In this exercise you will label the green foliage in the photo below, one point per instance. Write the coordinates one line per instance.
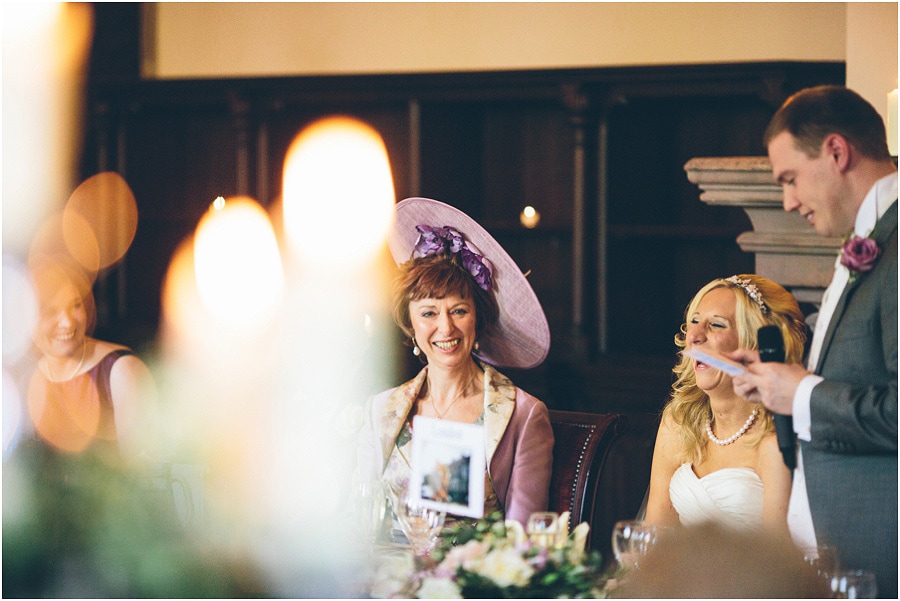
(485, 559)
(77, 526)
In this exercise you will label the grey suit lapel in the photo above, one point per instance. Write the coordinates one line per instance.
(884, 228)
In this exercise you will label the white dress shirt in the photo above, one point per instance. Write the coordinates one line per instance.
(876, 203)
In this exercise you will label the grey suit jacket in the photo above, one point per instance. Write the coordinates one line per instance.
(851, 461)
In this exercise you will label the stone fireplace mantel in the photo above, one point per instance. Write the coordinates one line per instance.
(786, 247)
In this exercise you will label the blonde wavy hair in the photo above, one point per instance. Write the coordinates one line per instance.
(688, 405)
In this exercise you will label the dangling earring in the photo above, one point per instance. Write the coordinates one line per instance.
(416, 350)
(476, 346)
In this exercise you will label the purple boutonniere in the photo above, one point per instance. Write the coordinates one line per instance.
(859, 255)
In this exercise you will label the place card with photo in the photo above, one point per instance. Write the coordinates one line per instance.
(448, 466)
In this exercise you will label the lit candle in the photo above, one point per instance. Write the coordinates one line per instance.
(338, 193)
(337, 205)
(45, 54)
(237, 265)
(892, 122)
(529, 217)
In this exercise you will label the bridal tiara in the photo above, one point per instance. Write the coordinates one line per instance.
(751, 290)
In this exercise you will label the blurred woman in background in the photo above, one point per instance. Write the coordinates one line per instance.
(86, 394)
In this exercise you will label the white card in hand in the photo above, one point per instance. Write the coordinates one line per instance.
(729, 367)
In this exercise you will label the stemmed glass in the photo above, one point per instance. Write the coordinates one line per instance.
(421, 525)
(643, 540)
(853, 584)
(621, 540)
(823, 559)
(369, 510)
(543, 528)
(631, 540)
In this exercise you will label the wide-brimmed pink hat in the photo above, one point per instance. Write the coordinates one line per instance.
(521, 336)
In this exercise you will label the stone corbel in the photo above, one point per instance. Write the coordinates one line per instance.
(786, 248)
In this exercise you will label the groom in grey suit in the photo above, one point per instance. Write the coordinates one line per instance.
(828, 152)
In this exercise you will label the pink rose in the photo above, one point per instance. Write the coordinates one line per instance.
(859, 254)
(463, 556)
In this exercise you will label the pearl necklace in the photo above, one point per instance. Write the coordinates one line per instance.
(734, 436)
(74, 373)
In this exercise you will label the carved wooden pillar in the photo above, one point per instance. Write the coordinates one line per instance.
(109, 138)
(576, 103)
(788, 250)
(240, 115)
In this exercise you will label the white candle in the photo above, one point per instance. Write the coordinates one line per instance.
(338, 192)
(892, 122)
(45, 53)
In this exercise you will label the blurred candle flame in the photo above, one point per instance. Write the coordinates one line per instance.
(19, 310)
(271, 363)
(12, 413)
(529, 217)
(100, 220)
(66, 237)
(237, 265)
(338, 192)
(45, 49)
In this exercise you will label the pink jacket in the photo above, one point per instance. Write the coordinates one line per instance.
(517, 431)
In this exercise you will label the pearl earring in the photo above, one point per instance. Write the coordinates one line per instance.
(416, 350)
(476, 346)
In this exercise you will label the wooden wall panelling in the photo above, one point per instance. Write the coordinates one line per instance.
(176, 162)
(623, 242)
(491, 161)
(662, 245)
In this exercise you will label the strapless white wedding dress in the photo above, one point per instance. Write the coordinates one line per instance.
(731, 497)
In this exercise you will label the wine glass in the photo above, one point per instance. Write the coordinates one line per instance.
(369, 510)
(853, 584)
(643, 538)
(421, 525)
(631, 540)
(823, 558)
(542, 528)
(621, 540)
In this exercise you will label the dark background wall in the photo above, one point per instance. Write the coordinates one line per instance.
(623, 243)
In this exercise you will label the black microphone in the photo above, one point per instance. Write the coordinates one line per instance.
(771, 348)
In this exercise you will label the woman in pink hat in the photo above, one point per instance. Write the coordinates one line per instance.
(466, 309)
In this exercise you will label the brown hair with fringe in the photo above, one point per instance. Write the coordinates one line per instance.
(439, 276)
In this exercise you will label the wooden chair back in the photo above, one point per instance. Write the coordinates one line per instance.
(601, 468)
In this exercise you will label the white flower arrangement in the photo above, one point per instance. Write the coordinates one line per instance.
(493, 558)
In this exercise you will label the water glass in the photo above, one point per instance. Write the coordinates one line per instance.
(421, 525)
(853, 584)
(542, 528)
(823, 558)
(642, 540)
(621, 540)
(631, 540)
(369, 510)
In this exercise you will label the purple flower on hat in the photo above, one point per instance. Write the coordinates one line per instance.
(473, 263)
(430, 242)
(446, 240)
(455, 242)
(859, 255)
